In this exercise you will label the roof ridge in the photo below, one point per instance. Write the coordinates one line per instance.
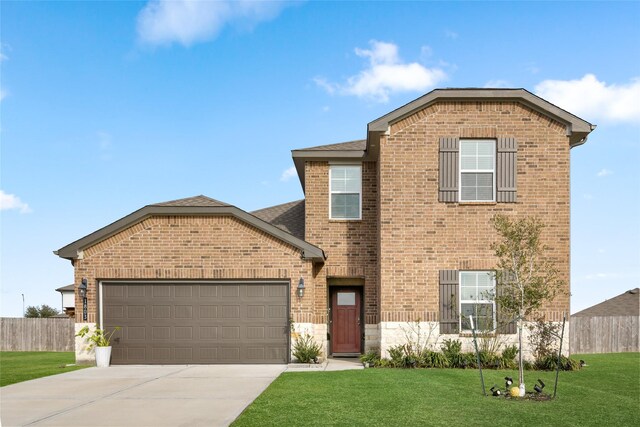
(199, 200)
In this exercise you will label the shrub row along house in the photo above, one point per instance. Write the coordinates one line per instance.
(394, 229)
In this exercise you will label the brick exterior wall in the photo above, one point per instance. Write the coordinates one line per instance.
(405, 237)
(420, 235)
(350, 246)
(192, 248)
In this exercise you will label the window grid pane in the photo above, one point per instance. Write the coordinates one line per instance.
(477, 291)
(477, 169)
(345, 188)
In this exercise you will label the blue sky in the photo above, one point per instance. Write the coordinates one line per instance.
(108, 106)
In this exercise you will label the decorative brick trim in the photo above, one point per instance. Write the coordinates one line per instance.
(408, 316)
(346, 272)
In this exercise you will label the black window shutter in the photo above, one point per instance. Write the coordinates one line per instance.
(449, 321)
(448, 170)
(506, 324)
(506, 172)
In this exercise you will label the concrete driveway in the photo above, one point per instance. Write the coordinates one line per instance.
(196, 395)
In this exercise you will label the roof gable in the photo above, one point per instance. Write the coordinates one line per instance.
(199, 205)
(577, 128)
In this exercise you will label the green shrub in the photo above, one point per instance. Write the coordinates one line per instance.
(433, 359)
(371, 357)
(396, 354)
(306, 350)
(508, 358)
(550, 362)
(452, 350)
(383, 363)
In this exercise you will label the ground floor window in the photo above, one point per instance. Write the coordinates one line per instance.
(477, 299)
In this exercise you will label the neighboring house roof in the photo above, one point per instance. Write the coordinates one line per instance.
(68, 288)
(577, 129)
(287, 216)
(626, 304)
(199, 205)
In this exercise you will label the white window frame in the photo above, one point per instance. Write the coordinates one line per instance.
(331, 192)
(478, 301)
(492, 171)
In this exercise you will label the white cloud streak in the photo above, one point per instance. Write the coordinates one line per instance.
(604, 172)
(163, 22)
(595, 100)
(288, 174)
(13, 202)
(385, 74)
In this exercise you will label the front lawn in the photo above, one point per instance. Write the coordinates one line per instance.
(606, 392)
(18, 366)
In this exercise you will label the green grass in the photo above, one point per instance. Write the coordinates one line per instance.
(18, 366)
(606, 392)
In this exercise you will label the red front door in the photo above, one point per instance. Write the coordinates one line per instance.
(345, 323)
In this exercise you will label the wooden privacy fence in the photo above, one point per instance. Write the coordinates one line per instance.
(42, 334)
(604, 334)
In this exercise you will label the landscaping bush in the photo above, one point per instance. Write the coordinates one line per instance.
(306, 350)
(433, 359)
(508, 358)
(550, 362)
(452, 349)
(371, 357)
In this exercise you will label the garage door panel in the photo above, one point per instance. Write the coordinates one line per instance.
(219, 323)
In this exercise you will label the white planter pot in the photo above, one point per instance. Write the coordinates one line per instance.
(103, 356)
(521, 390)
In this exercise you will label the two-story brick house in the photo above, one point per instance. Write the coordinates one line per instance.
(393, 229)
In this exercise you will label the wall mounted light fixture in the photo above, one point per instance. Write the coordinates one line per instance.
(301, 288)
(82, 289)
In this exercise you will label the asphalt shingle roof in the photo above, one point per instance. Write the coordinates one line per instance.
(359, 144)
(193, 201)
(626, 304)
(288, 217)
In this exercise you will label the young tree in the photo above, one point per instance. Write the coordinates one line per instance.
(43, 311)
(526, 279)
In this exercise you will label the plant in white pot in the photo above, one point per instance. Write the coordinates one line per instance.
(101, 340)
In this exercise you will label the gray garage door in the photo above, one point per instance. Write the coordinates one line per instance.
(188, 323)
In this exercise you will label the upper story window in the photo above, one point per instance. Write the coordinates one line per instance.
(345, 187)
(477, 170)
(477, 299)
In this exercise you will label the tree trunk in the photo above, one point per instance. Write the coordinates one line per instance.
(520, 365)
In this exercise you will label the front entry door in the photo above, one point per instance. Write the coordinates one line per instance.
(345, 324)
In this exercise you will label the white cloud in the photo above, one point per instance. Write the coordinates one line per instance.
(604, 172)
(594, 100)
(3, 94)
(451, 34)
(587, 196)
(163, 22)
(12, 202)
(386, 74)
(288, 174)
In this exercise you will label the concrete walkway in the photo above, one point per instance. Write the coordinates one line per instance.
(197, 395)
(331, 364)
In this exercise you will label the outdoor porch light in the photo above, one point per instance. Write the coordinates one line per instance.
(508, 381)
(82, 289)
(300, 288)
(494, 390)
